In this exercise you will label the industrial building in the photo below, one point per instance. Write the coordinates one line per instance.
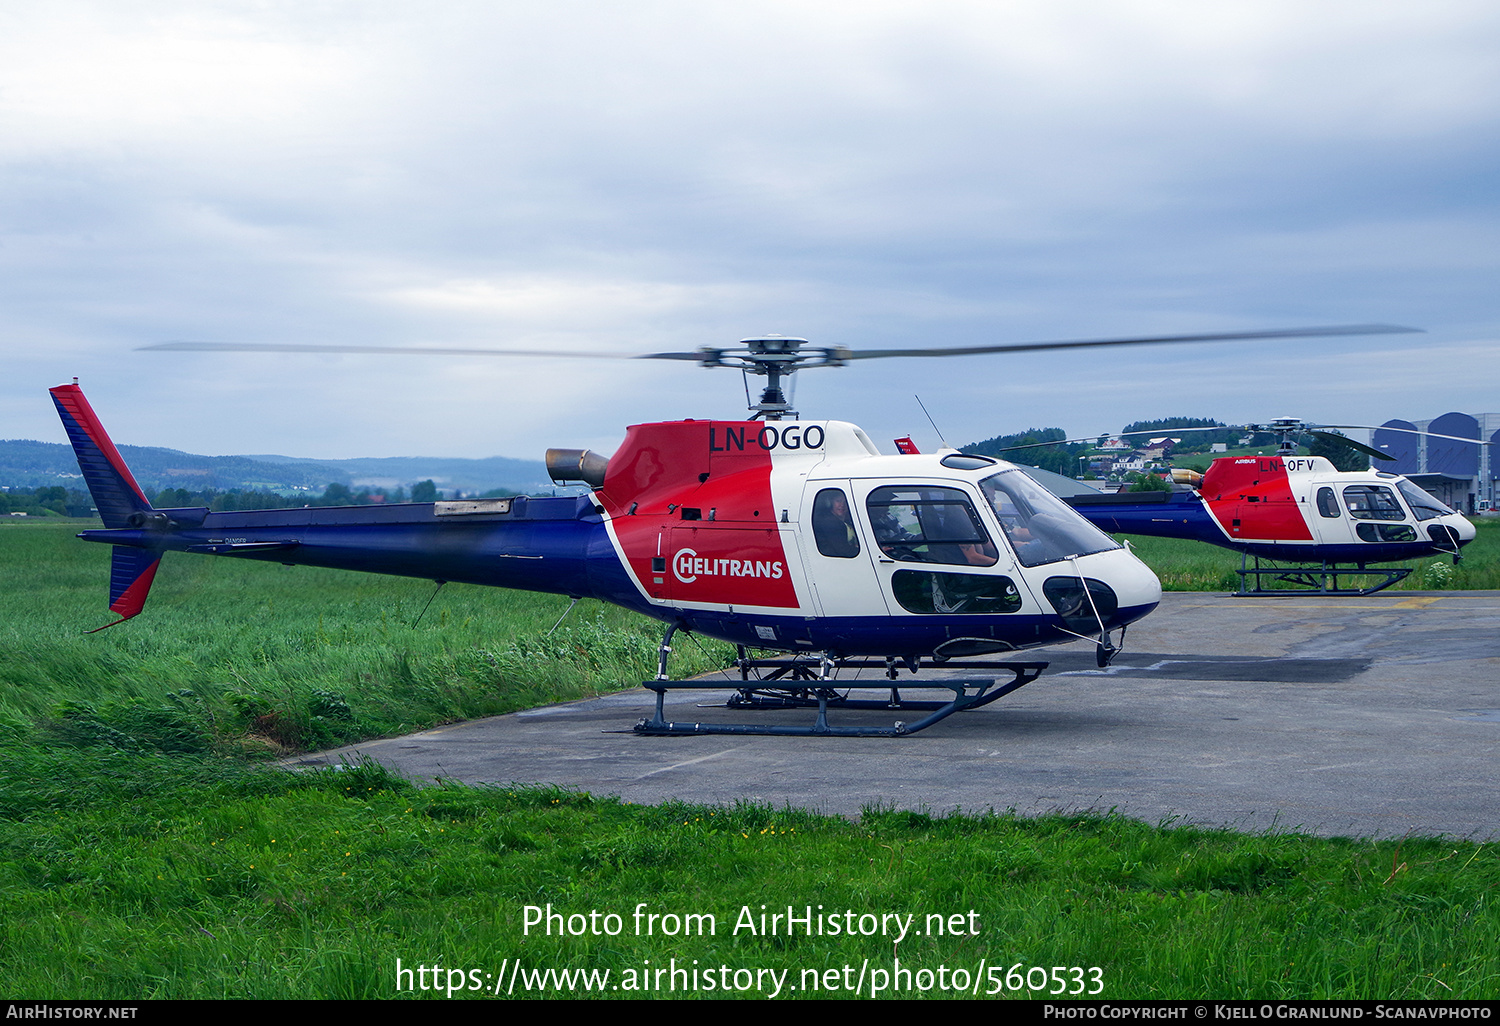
(1460, 473)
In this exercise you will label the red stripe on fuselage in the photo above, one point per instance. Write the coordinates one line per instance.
(691, 508)
(1251, 498)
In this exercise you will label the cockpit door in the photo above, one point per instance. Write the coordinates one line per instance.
(1377, 514)
(934, 554)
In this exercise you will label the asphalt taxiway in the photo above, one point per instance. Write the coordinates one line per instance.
(1366, 716)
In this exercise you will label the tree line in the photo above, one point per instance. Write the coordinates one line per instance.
(1058, 458)
(336, 494)
(56, 500)
(1064, 458)
(48, 500)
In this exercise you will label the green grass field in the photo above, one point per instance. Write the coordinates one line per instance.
(234, 654)
(148, 849)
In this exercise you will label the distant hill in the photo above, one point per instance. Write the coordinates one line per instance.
(393, 471)
(29, 464)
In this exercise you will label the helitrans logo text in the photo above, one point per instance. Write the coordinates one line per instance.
(688, 566)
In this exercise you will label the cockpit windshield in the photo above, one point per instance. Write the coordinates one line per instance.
(1040, 526)
(1423, 506)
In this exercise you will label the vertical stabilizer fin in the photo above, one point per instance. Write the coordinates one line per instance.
(131, 572)
(110, 482)
(118, 497)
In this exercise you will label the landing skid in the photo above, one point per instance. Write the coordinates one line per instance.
(798, 682)
(1308, 579)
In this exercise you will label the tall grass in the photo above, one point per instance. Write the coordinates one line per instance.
(128, 876)
(272, 658)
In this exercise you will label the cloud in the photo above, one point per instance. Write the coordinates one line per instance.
(663, 176)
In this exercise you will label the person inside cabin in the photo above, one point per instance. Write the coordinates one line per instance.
(980, 553)
(833, 525)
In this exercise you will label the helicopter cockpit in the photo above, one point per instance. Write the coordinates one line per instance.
(1040, 527)
(1424, 505)
(1376, 511)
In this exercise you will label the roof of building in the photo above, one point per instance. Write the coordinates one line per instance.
(1057, 484)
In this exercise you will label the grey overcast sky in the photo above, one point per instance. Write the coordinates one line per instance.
(665, 175)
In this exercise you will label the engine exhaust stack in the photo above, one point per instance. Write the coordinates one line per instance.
(565, 465)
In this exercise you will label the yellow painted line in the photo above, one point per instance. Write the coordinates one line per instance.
(1304, 605)
(1411, 603)
(1407, 603)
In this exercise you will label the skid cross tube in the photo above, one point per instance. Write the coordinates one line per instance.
(968, 693)
(1315, 580)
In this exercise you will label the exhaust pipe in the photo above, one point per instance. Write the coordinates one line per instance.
(565, 465)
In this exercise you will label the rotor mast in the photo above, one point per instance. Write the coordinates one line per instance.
(773, 357)
(1287, 428)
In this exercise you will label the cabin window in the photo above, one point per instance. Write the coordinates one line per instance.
(833, 525)
(1372, 502)
(928, 524)
(1385, 532)
(1328, 504)
(927, 591)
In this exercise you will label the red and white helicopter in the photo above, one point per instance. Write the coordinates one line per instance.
(1312, 524)
(773, 533)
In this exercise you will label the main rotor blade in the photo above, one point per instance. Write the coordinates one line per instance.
(297, 347)
(1349, 443)
(1227, 336)
(1408, 431)
(710, 353)
(1261, 429)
